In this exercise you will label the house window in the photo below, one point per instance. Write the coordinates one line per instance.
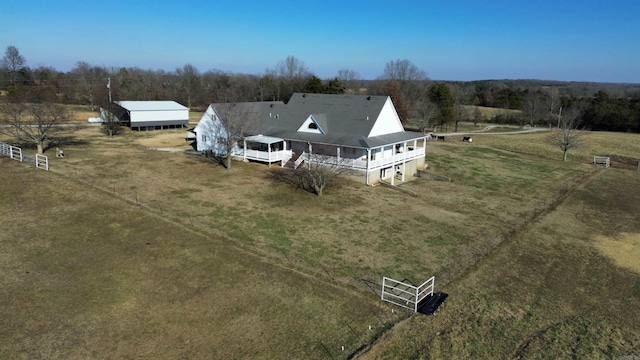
(313, 126)
(204, 138)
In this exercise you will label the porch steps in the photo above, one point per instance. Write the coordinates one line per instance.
(291, 163)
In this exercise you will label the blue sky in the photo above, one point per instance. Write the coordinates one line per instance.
(574, 40)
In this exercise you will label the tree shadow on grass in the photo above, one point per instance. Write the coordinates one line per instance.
(283, 176)
(63, 141)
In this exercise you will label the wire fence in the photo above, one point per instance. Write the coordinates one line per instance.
(467, 259)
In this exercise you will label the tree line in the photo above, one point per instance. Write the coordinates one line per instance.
(421, 103)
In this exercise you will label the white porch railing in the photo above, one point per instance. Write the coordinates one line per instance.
(397, 158)
(360, 164)
(264, 156)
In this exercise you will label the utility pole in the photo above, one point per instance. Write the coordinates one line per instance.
(559, 115)
(109, 87)
(109, 107)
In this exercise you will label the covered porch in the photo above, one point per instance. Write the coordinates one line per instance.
(390, 162)
(265, 149)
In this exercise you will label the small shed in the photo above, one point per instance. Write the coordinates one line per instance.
(152, 115)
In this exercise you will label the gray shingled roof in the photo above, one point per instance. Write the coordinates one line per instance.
(345, 119)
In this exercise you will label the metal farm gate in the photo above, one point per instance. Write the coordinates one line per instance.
(406, 295)
(14, 152)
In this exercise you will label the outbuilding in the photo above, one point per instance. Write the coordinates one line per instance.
(151, 115)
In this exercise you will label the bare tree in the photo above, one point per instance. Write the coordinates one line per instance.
(426, 112)
(45, 81)
(86, 80)
(533, 107)
(350, 79)
(291, 75)
(411, 80)
(41, 125)
(460, 113)
(13, 62)
(217, 84)
(136, 83)
(291, 68)
(477, 116)
(319, 173)
(189, 81)
(569, 135)
(402, 71)
(553, 99)
(229, 124)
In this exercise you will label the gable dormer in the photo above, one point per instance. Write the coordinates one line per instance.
(311, 125)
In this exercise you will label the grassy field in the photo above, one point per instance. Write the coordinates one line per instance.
(146, 253)
(565, 286)
(85, 274)
(488, 113)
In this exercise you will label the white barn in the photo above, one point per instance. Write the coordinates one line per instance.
(152, 115)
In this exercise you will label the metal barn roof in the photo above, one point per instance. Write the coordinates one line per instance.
(151, 105)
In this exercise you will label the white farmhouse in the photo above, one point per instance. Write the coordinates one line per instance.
(359, 132)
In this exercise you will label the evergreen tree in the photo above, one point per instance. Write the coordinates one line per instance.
(440, 94)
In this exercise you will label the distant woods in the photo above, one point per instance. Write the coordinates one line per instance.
(602, 106)
(421, 103)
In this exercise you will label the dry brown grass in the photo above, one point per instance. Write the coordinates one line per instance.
(548, 292)
(195, 116)
(489, 113)
(87, 275)
(624, 249)
(209, 229)
(596, 144)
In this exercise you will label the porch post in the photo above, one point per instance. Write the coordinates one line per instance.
(368, 165)
(244, 149)
(393, 172)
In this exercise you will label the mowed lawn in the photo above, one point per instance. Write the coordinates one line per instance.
(199, 261)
